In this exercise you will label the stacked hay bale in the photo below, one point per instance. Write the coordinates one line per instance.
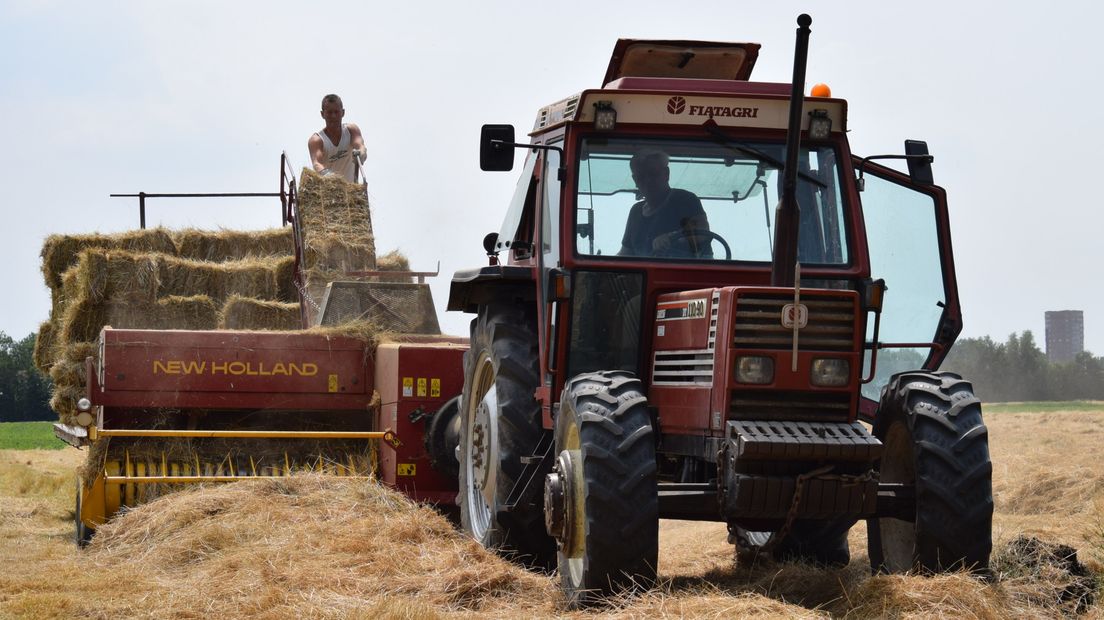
(248, 313)
(139, 280)
(336, 227)
(224, 245)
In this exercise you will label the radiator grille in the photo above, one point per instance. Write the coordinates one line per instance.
(759, 322)
(683, 368)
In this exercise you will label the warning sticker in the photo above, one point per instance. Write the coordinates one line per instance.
(333, 383)
(421, 386)
(405, 469)
(435, 388)
(408, 386)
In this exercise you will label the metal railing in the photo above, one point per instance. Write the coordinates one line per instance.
(286, 194)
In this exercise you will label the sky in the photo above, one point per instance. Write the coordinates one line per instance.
(169, 96)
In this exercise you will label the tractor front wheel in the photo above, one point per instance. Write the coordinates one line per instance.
(936, 443)
(601, 501)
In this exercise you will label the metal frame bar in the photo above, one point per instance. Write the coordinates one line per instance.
(286, 194)
(121, 480)
(385, 435)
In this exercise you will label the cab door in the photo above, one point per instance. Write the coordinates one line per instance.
(909, 243)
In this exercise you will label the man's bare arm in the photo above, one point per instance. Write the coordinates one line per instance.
(356, 138)
(314, 147)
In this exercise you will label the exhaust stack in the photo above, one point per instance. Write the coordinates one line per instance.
(786, 214)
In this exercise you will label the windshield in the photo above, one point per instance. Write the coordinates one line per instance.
(702, 200)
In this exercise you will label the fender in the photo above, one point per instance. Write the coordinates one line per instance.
(474, 287)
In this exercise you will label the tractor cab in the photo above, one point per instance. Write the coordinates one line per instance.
(715, 145)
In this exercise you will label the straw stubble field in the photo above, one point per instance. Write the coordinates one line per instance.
(326, 548)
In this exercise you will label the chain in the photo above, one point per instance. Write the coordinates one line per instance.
(821, 473)
(780, 535)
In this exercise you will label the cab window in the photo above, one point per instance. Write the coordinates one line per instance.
(700, 200)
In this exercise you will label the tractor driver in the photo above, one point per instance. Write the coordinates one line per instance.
(663, 223)
(333, 148)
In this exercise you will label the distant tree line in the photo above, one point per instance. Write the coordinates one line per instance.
(24, 391)
(1017, 370)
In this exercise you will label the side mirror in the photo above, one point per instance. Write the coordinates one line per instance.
(919, 162)
(496, 148)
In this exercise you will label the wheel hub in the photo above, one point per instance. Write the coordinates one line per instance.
(481, 458)
(480, 455)
(559, 491)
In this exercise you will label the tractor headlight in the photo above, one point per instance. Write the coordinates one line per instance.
(830, 372)
(84, 404)
(754, 369)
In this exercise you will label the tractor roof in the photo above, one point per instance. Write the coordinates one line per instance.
(685, 82)
(681, 59)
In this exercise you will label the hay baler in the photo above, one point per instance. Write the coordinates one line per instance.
(166, 408)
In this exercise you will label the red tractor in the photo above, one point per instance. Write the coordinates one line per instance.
(656, 339)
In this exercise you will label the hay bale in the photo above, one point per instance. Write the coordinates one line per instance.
(178, 312)
(45, 342)
(328, 251)
(336, 223)
(99, 276)
(249, 277)
(286, 289)
(79, 351)
(60, 252)
(255, 314)
(68, 290)
(224, 245)
(84, 319)
(68, 373)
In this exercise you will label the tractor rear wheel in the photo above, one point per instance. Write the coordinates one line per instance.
(500, 423)
(935, 441)
(601, 498)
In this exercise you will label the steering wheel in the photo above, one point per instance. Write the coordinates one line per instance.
(683, 236)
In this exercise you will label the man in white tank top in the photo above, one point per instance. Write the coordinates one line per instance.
(333, 148)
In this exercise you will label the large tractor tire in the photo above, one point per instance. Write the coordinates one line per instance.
(500, 423)
(934, 440)
(601, 499)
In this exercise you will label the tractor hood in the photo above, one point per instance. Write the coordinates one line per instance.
(681, 59)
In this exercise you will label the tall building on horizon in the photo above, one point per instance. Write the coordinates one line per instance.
(1065, 334)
